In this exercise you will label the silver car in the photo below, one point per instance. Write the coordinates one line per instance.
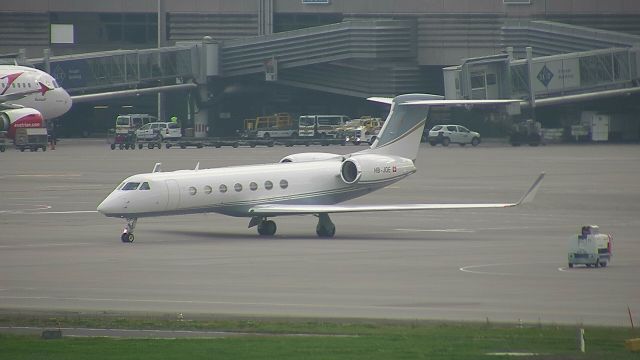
(457, 134)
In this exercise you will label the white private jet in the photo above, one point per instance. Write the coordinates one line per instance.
(28, 97)
(305, 183)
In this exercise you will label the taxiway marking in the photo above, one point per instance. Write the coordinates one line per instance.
(40, 246)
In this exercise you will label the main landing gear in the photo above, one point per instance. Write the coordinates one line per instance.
(127, 233)
(325, 227)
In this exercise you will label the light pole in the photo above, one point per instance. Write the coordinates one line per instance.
(161, 43)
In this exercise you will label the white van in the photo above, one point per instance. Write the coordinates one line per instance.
(159, 131)
(320, 126)
(590, 248)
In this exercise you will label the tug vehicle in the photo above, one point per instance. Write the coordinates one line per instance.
(590, 247)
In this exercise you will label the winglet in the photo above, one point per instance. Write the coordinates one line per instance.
(531, 193)
(156, 168)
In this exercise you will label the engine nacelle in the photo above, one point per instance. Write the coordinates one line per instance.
(13, 119)
(311, 156)
(371, 168)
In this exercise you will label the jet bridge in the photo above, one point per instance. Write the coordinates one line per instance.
(382, 51)
(355, 58)
(546, 80)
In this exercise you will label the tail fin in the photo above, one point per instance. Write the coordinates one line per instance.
(403, 128)
(402, 131)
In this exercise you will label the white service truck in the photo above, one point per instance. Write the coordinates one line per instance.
(590, 248)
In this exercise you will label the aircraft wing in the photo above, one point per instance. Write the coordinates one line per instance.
(286, 209)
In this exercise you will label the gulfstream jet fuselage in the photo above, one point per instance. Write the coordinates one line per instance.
(305, 183)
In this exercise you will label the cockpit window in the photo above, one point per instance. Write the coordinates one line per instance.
(145, 186)
(130, 186)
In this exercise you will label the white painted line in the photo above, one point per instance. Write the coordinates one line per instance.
(34, 207)
(438, 230)
(512, 354)
(41, 175)
(64, 212)
(41, 245)
(467, 230)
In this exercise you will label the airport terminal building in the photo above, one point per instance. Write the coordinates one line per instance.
(562, 58)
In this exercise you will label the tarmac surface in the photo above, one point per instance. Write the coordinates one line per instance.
(58, 254)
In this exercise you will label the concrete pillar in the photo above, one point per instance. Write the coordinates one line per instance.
(46, 58)
(532, 94)
(201, 116)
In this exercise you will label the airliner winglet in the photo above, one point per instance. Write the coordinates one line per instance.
(306, 183)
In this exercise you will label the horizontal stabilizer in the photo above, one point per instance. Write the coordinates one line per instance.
(285, 209)
(460, 102)
(383, 100)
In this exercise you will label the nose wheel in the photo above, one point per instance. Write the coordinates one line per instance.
(127, 237)
(127, 233)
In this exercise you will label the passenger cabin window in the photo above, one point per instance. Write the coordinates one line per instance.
(145, 186)
(284, 184)
(268, 185)
(223, 188)
(237, 187)
(253, 186)
(207, 189)
(192, 190)
(130, 186)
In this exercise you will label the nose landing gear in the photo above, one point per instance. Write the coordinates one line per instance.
(127, 233)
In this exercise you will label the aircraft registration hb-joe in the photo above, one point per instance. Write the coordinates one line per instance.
(28, 97)
(304, 183)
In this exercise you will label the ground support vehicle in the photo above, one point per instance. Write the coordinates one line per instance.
(159, 131)
(320, 126)
(3, 141)
(220, 142)
(151, 144)
(525, 132)
(31, 138)
(121, 139)
(274, 126)
(590, 248)
(361, 130)
(447, 134)
(123, 136)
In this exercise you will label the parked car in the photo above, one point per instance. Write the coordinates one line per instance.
(457, 134)
(159, 131)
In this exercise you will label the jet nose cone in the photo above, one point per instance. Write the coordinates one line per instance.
(109, 206)
(103, 207)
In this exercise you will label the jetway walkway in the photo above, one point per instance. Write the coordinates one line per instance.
(120, 69)
(552, 38)
(564, 64)
(332, 50)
